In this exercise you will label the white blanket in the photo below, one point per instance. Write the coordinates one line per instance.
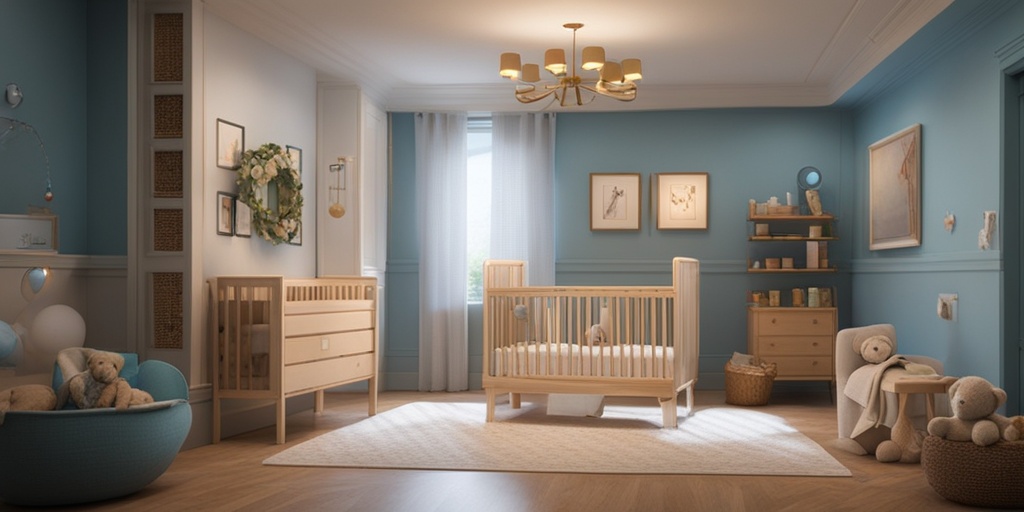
(865, 387)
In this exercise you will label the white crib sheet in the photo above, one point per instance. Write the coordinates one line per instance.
(551, 359)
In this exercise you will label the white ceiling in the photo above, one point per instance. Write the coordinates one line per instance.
(443, 54)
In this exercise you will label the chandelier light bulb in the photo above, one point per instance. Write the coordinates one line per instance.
(631, 70)
(510, 65)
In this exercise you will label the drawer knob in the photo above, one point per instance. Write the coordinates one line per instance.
(814, 321)
(773, 320)
(815, 344)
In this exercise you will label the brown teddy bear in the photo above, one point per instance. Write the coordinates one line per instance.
(1015, 430)
(974, 402)
(100, 385)
(27, 397)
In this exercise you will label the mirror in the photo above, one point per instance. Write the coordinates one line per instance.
(26, 166)
(809, 178)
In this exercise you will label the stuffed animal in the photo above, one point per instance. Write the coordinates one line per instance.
(27, 397)
(875, 349)
(974, 402)
(99, 385)
(121, 395)
(1015, 430)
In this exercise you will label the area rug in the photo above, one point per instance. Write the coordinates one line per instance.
(625, 440)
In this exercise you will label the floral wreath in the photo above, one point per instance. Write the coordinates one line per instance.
(264, 166)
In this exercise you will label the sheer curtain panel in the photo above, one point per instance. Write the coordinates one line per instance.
(441, 202)
(523, 188)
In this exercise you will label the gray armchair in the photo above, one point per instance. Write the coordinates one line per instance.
(849, 410)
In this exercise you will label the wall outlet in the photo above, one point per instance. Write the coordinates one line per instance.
(325, 343)
(947, 306)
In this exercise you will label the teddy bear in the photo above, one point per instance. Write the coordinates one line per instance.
(27, 397)
(100, 385)
(1014, 431)
(974, 402)
(875, 349)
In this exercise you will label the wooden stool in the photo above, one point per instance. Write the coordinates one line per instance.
(911, 385)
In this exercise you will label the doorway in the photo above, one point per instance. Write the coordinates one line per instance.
(1013, 248)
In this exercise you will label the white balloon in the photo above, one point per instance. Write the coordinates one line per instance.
(57, 327)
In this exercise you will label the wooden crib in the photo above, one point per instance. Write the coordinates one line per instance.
(602, 340)
(274, 338)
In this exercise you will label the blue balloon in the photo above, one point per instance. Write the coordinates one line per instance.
(8, 340)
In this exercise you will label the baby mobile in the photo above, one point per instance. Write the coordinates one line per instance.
(13, 95)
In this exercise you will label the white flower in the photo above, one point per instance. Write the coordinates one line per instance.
(256, 172)
(280, 230)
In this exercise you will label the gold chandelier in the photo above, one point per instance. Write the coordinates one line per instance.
(615, 80)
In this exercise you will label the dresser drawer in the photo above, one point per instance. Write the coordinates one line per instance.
(795, 345)
(313, 348)
(802, 367)
(795, 322)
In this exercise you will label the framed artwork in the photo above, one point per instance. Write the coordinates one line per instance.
(297, 240)
(225, 213)
(614, 201)
(230, 144)
(895, 190)
(243, 219)
(680, 200)
(295, 155)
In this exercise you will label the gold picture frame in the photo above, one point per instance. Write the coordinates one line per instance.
(680, 200)
(895, 190)
(615, 201)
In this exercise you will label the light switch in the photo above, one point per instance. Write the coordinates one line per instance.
(325, 344)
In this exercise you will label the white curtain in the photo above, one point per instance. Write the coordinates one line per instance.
(523, 188)
(441, 202)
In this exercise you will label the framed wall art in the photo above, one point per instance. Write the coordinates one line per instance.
(243, 219)
(230, 144)
(895, 190)
(680, 200)
(614, 201)
(295, 155)
(225, 213)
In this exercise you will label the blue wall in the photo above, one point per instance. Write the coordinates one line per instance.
(955, 96)
(70, 59)
(748, 153)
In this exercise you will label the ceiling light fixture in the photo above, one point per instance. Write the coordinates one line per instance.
(615, 80)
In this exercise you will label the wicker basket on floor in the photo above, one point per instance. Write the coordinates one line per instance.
(980, 476)
(749, 385)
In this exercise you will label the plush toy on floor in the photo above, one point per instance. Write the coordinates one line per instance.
(27, 397)
(974, 402)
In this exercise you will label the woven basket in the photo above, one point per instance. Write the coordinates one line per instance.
(980, 476)
(748, 385)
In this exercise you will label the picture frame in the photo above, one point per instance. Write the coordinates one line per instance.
(226, 213)
(615, 201)
(295, 155)
(230, 144)
(243, 219)
(895, 190)
(298, 237)
(680, 200)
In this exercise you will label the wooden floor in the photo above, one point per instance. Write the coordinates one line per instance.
(230, 476)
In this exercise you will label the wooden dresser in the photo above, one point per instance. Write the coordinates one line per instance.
(800, 341)
(274, 338)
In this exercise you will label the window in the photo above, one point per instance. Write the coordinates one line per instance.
(478, 205)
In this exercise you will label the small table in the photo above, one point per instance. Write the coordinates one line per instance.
(910, 385)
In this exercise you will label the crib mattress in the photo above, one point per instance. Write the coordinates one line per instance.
(563, 359)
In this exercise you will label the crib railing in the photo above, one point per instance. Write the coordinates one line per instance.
(584, 331)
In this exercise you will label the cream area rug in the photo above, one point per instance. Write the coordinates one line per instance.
(626, 439)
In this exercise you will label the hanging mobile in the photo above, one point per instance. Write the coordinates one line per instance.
(334, 190)
(49, 190)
